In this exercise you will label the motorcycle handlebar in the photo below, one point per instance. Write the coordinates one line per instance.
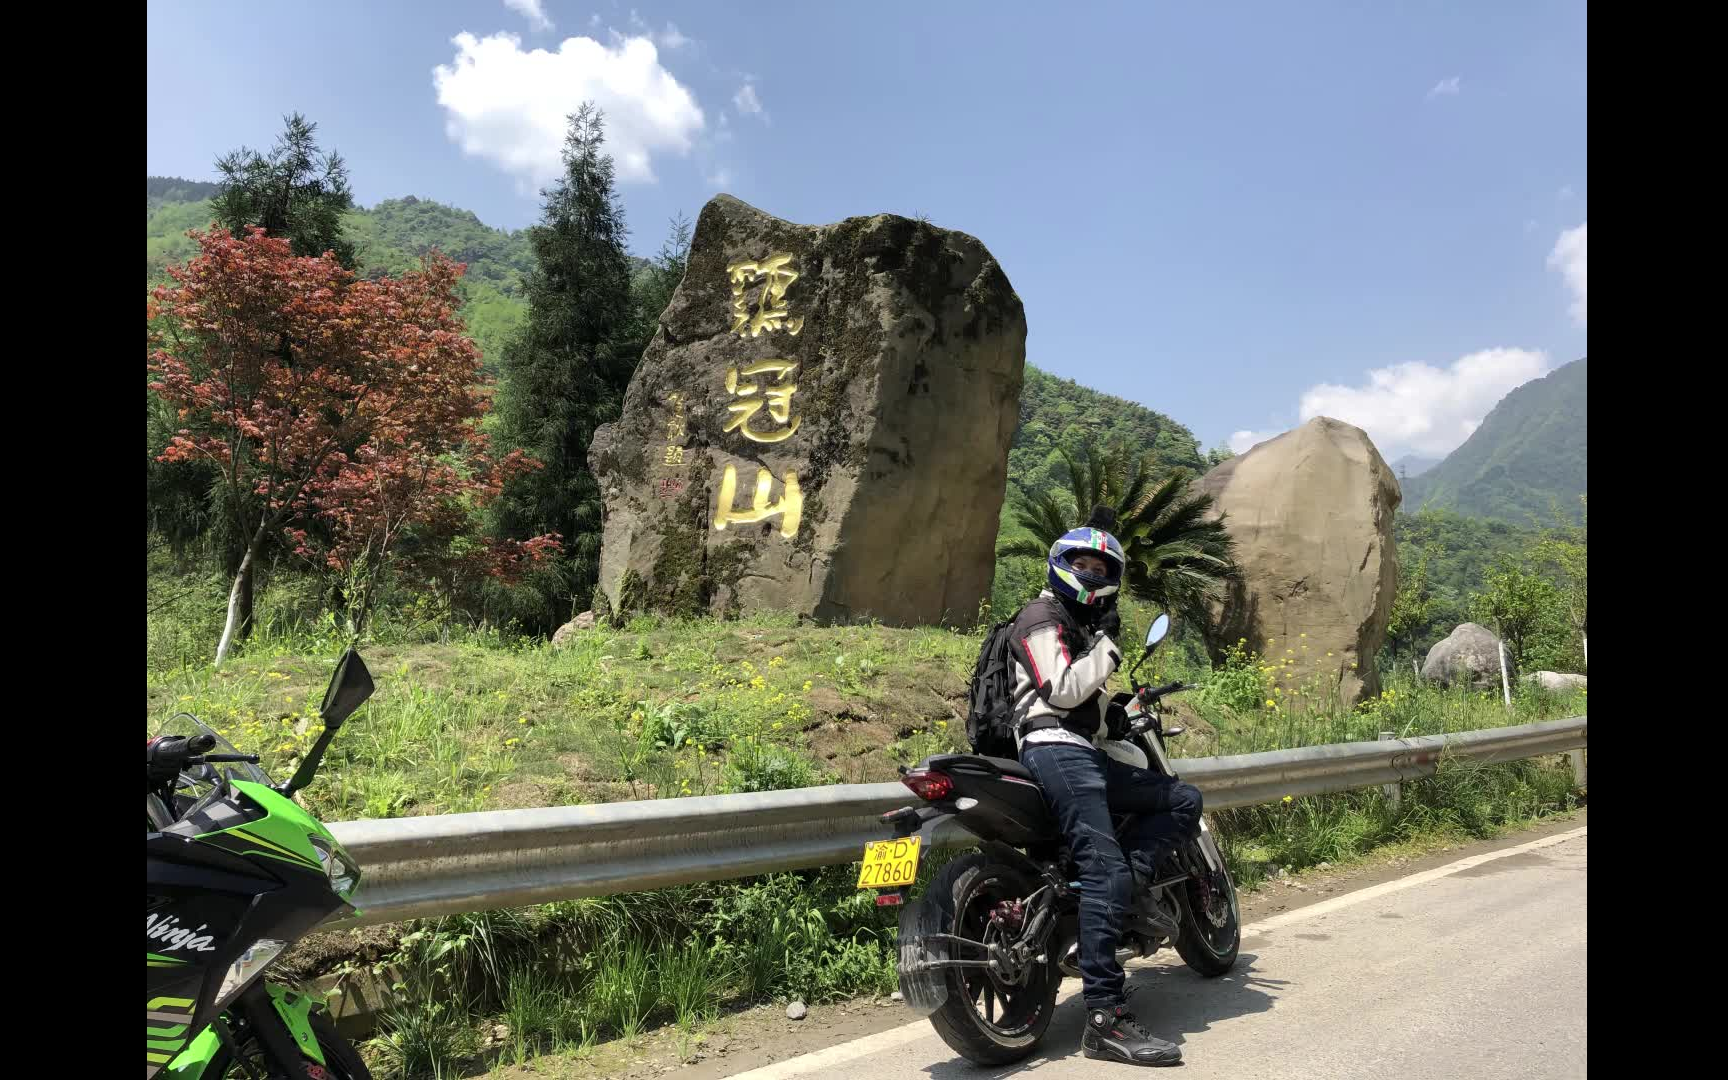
(1170, 688)
(166, 756)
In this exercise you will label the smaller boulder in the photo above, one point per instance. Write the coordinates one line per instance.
(1558, 682)
(584, 621)
(1470, 655)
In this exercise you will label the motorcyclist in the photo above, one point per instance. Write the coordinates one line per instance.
(1065, 650)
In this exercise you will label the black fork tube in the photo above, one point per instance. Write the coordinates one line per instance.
(281, 1052)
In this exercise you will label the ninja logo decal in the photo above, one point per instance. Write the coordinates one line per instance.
(168, 931)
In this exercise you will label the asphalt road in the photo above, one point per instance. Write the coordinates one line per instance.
(1475, 969)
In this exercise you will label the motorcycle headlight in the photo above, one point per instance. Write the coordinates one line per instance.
(251, 963)
(338, 867)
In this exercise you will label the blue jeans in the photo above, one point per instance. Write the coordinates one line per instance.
(1083, 786)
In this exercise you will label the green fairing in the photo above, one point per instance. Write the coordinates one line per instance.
(192, 1062)
(296, 1011)
(284, 829)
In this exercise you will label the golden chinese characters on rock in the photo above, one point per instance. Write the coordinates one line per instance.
(763, 384)
(671, 485)
(778, 398)
(771, 312)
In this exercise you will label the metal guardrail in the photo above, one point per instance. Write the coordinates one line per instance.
(1252, 779)
(419, 867)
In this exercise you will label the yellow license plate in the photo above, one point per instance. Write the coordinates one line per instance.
(888, 864)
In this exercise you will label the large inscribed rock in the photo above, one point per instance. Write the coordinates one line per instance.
(820, 425)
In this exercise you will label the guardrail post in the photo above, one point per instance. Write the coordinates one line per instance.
(1580, 777)
(1394, 792)
(1505, 683)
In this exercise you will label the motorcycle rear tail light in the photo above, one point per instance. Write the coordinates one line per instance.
(927, 785)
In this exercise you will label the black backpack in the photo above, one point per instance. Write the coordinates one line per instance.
(990, 720)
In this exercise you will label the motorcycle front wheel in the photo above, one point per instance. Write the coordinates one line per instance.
(1211, 924)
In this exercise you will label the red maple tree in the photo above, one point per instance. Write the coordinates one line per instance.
(342, 410)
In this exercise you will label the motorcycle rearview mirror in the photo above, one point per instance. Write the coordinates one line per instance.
(1154, 634)
(349, 689)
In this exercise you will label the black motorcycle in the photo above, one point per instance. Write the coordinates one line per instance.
(984, 952)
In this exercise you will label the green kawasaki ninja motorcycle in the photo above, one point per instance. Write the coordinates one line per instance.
(238, 872)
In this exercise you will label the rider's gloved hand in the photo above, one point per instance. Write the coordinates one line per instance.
(1116, 721)
(1110, 624)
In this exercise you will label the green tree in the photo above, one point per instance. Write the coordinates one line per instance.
(1516, 603)
(1056, 412)
(565, 372)
(1564, 552)
(1414, 606)
(655, 283)
(1179, 556)
(296, 191)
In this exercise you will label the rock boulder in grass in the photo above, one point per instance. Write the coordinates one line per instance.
(1558, 682)
(1468, 656)
(1311, 513)
(820, 425)
(584, 621)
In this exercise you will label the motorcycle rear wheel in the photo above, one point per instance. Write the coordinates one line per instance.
(984, 1019)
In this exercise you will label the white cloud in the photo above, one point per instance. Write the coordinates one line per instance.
(1420, 408)
(670, 38)
(746, 99)
(1571, 256)
(1243, 441)
(1447, 87)
(511, 106)
(594, 20)
(720, 177)
(532, 11)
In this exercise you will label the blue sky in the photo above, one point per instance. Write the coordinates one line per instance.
(1242, 215)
